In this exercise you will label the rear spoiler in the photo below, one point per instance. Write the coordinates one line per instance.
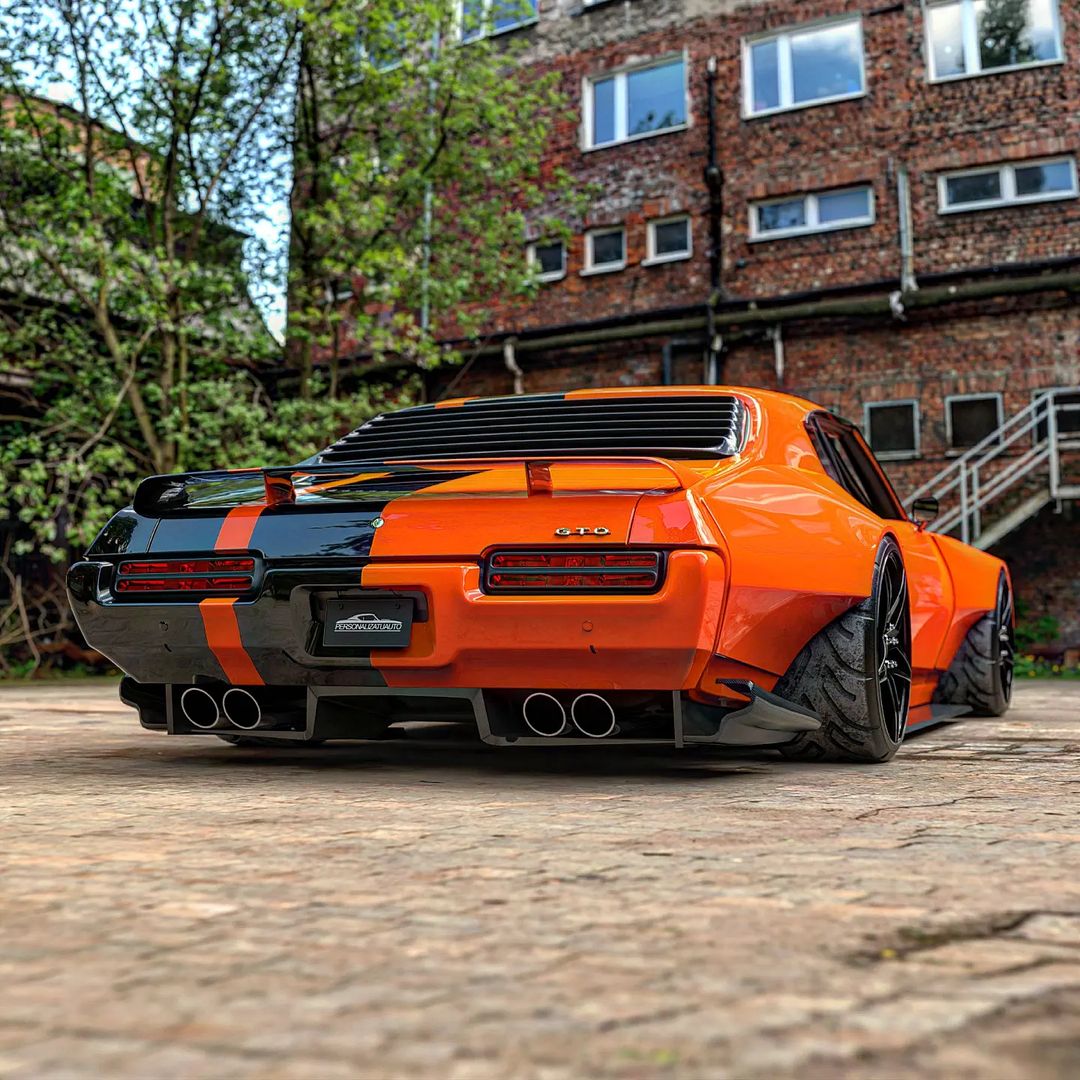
(277, 486)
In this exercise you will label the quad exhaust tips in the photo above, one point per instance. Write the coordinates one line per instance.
(591, 714)
(544, 715)
(238, 709)
(242, 709)
(201, 710)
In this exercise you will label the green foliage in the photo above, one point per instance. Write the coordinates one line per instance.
(1037, 667)
(418, 177)
(129, 341)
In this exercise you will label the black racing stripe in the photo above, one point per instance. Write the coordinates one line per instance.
(189, 533)
(277, 640)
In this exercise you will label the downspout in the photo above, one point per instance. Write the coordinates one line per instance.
(666, 367)
(714, 182)
(908, 282)
(776, 336)
(510, 360)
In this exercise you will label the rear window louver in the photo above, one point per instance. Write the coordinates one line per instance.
(687, 427)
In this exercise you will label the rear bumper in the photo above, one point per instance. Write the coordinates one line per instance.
(352, 712)
(461, 638)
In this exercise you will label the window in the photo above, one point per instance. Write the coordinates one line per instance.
(847, 459)
(975, 37)
(548, 260)
(803, 67)
(605, 249)
(1066, 405)
(668, 240)
(482, 17)
(817, 212)
(1006, 185)
(892, 429)
(635, 103)
(970, 418)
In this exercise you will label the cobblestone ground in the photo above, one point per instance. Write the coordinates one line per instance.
(179, 907)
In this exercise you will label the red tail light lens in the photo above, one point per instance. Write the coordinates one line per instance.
(573, 571)
(198, 575)
(189, 566)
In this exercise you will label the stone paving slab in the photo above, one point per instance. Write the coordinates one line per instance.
(181, 908)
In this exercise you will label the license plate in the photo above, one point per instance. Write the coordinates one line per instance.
(366, 624)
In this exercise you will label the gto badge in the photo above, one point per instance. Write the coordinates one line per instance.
(599, 531)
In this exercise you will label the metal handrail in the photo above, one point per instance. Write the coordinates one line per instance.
(965, 475)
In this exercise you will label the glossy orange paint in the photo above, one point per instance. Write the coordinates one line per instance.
(974, 576)
(765, 551)
(223, 637)
(632, 642)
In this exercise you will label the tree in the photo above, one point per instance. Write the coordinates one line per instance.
(129, 342)
(128, 339)
(1005, 34)
(417, 147)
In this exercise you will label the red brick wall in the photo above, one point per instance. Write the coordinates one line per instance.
(903, 120)
(1044, 558)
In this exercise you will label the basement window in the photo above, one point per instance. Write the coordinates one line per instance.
(605, 250)
(1066, 405)
(970, 418)
(485, 18)
(892, 429)
(803, 67)
(1007, 185)
(635, 103)
(981, 37)
(822, 211)
(668, 240)
(548, 260)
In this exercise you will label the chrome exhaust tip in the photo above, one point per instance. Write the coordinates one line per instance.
(593, 716)
(200, 709)
(242, 709)
(544, 715)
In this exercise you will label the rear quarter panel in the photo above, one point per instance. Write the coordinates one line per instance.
(800, 549)
(975, 577)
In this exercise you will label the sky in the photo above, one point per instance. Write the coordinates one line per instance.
(269, 227)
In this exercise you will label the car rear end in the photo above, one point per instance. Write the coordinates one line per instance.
(539, 567)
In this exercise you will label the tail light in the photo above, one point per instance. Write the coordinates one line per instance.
(573, 571)
(198, 575)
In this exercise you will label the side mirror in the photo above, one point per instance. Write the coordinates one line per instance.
(925, 509)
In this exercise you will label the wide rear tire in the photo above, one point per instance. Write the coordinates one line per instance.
(856, 674)
(981, 674)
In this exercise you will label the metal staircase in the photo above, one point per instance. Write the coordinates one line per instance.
(1030, 461)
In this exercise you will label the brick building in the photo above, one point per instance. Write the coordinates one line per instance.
(870, 204)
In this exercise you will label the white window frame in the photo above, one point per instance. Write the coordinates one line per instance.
(651, 258)
(553, 275)
(969, 29)
(604, 268)
(1007, 171)
(488, 30)
(810, 200)
(895, 455)
(784, 67)
(622, 102)
(950, 398)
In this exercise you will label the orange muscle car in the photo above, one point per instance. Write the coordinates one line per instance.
(680, 565)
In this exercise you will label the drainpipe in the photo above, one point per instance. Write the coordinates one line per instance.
(908, 282)
(667, 357)
(714, 182)
(510, 360)
(776, 336)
